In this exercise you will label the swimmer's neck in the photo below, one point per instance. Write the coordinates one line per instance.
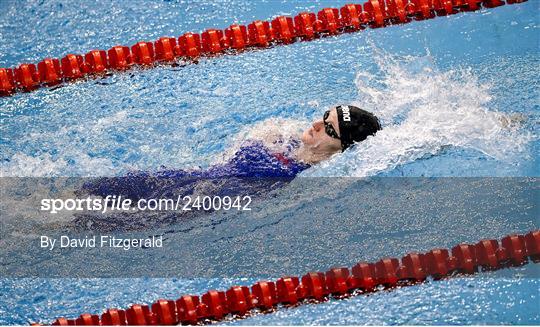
(309, 156)
(298, 151)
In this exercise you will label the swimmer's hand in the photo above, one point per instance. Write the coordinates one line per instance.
(512, 121)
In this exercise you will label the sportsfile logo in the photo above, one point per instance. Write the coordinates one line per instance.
(120, 203)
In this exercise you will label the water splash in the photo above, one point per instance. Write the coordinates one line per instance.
(265, 132)
(73, 159)
(424, 111)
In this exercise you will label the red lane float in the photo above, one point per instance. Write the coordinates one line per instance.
(532, 243)
(239, 300)
(186, 307)
(396, 10)
(304, 24)
(330, 19)
(315, 285)
(96, 61)
(119, 57)
(63, 322)
(50, 72)
(470, 5)
(166, 49)
(165, 312)
(213, 42)
(420, 9)
(443, 7)
(353, 16)
(486, 254)
(386, 272)
(466, 258)
(364, 277)
(236, 36)
(286, 290)
(140, 315)
(113, 317)
(412, 269)
(283, 29)
(513, 250)
(336, 280)
(87, 319)
(73, 66)
(190, 45)
(216, 303)
(27, 77)
(264, 295)
(259, 33)
(493, 3)
(7, 82)
(435, 263)
(143, 53)
(374, 11)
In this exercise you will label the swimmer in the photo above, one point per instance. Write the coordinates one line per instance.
(339, 129)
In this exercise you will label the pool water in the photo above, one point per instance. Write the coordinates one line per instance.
(457, 96)
(453, 76)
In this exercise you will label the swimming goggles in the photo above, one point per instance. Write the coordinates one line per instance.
(328, 128)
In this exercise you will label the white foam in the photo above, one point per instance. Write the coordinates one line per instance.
(275, 133)
(82, 164)
(22, 165)
(423, 111)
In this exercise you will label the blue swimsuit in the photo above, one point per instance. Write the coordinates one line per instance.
(253, 162)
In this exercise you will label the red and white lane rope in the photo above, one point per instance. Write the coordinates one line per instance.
(363, 278)
(211, 42)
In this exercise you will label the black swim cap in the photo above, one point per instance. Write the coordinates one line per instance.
(355, 125)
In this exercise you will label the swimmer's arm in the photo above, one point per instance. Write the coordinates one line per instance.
(512, 121)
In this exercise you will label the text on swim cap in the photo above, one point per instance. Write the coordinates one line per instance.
(346, 113)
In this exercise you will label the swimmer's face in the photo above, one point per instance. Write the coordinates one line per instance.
(316, 138)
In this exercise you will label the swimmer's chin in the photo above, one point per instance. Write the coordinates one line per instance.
(306, 136)
(512, 121)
